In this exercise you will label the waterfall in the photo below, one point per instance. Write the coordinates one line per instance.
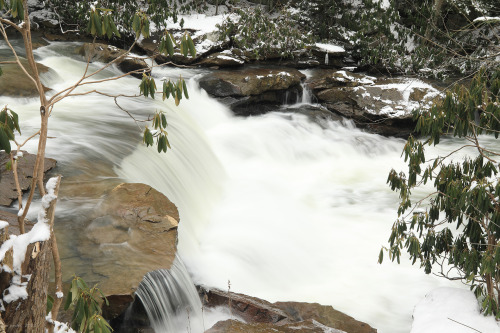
(283, 207)
(171, 300)
(307, 96)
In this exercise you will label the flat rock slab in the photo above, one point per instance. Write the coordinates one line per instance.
(306, 326)
(25, 166)
(14, 82)
(262, 316)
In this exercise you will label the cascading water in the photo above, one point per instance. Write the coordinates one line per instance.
(171, 300)
(283, 207)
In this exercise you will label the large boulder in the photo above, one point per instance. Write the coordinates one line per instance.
(107, 53)
(242, 90)
(25, 164)
(382, 106)
(134, 231)
(262, 316)
(14, 82)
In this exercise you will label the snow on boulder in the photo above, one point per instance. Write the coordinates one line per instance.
(222, 60)
(451, 310)
(384, 106)
(329, 54)
(329, 48)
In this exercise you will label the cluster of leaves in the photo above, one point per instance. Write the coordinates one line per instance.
(86, 304)
(75, 14)
(159, 122)
(16, 8)
(254, 30)
(466, 194)
(167, 45)
(101, 23)
(9, 124)
(158, 133)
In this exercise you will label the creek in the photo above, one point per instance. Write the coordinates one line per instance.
(284, 208)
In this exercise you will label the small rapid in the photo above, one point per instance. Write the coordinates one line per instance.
(171, 300)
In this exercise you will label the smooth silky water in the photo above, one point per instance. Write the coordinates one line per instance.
(284, 208)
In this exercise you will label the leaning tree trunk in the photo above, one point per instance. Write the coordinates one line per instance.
(29, 315)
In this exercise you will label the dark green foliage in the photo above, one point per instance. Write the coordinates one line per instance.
(9, 124)
(125, 11)
(459, 224)
(101, 23)
(86, 304)
(158, 133)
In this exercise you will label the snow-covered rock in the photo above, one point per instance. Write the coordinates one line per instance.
(384, 106)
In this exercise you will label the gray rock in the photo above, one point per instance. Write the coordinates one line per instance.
(44, 18)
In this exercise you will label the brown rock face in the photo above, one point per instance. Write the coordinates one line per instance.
(325, 315)
(25, 171)
(108, 53)
(14, 82)
(306, 326)
(250, 82)
(262, 316)
(135, 232)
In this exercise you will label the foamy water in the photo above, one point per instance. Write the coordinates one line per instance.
(282, 207)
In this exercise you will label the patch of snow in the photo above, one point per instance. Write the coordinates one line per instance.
(384, 4)
(224, 57)
(59, 294)
(204, 46)
(58, 326)
(330, 48)
(15, 292)
(449, 310)
(3, 224)
(201, 23)
(487, 18)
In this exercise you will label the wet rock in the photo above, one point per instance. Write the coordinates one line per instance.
(250, 82)
(107, 53)
(262, 316)
(242, 90)
(14, 82)
(134, 231)
(325, 315)
(306, 326)
(26, 162)
(251, 309)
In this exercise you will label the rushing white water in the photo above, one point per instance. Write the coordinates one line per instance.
(283, 207)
